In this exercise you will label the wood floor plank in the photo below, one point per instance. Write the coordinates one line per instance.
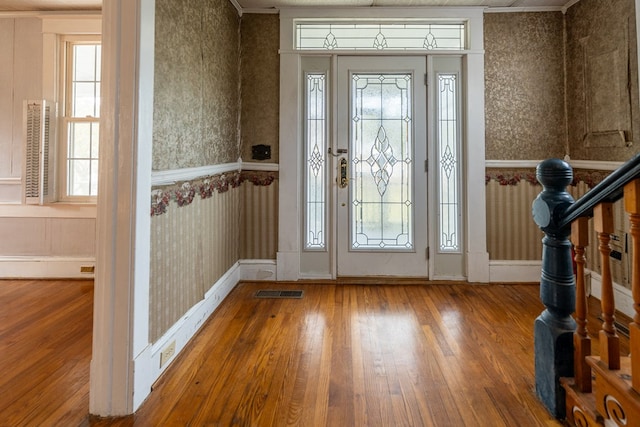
(343, 355)
(45, 346)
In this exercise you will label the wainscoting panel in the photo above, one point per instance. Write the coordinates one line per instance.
(192, 246)
(511, 232)
(259, 227)
(620, 244)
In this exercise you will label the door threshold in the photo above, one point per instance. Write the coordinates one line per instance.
(391, 280)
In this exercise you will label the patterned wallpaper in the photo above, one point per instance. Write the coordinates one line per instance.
(260, 41)
(196, 101)
(192, 246)
(524, 92)
(602, 83)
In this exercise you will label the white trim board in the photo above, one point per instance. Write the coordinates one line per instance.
(170, 177)
(575, 164)
(183, 331)
(254, 166)
(530, 9)
(31, 267)
(52, 210)
(594, 164)
(257, 269)
(147, 362)
(514, 271)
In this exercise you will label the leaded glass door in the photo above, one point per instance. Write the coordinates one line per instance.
(380, 175)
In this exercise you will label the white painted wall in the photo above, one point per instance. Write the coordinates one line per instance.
(20, 79)
(35, 241)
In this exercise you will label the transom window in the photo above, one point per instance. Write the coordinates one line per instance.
(364, 35)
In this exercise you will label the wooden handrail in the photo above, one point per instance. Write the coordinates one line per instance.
(609, 190)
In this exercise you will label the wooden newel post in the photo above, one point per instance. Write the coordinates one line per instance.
(554, 328)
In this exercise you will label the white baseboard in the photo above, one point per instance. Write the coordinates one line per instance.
(179, 335)
(185, 329)
(621, 295)
(288, 265)
(257, 269)
(32, 267)
(515, 271)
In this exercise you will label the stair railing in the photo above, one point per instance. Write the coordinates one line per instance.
(562, 344)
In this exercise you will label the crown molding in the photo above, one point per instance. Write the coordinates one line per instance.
(524, 9)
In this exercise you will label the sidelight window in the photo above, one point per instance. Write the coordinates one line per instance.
(448, 162)
(315, 155)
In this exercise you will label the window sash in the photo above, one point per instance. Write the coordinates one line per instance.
(79, 134)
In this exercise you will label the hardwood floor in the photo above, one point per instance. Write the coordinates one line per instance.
(343, 355)
(45, 349)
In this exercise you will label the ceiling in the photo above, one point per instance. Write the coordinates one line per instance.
(70, 5)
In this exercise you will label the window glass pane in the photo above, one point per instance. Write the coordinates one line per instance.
(84, 99)
(79, 140)
(315, 149)
(448, 156)
(382, 162)
(363, 35)
(79, 177)
(95, 127)
(85, 82)
(93, 176)
(84, 63)
(83, 95)
(98, 63)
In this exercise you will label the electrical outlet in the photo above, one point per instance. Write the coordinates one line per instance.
(87, 269)
(167, 353)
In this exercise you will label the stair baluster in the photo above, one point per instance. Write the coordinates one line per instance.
(581, 340)
(609, 340)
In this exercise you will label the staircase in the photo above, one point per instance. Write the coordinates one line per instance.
(599, 390)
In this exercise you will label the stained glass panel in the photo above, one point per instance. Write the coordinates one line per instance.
(381, 161)
(448, 163)
(315, 149)
(363, 35)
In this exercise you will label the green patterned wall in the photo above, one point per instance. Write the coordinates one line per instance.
(260, 83)
(196, 104)
(524, 85)
(602, 80)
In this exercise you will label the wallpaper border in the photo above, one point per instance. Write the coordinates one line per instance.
(183, 193)
(514, 176)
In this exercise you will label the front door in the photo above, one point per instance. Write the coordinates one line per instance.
(380, 171)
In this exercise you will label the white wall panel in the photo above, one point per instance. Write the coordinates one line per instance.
(71, 236)
(37, 231)
(27, 79)
(23, 236)
(47, 237)
(6, 98)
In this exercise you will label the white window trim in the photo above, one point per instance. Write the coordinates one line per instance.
(56, 29)
(291, 178)
(64, 120)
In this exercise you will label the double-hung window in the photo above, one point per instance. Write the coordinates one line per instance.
(80, 115)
